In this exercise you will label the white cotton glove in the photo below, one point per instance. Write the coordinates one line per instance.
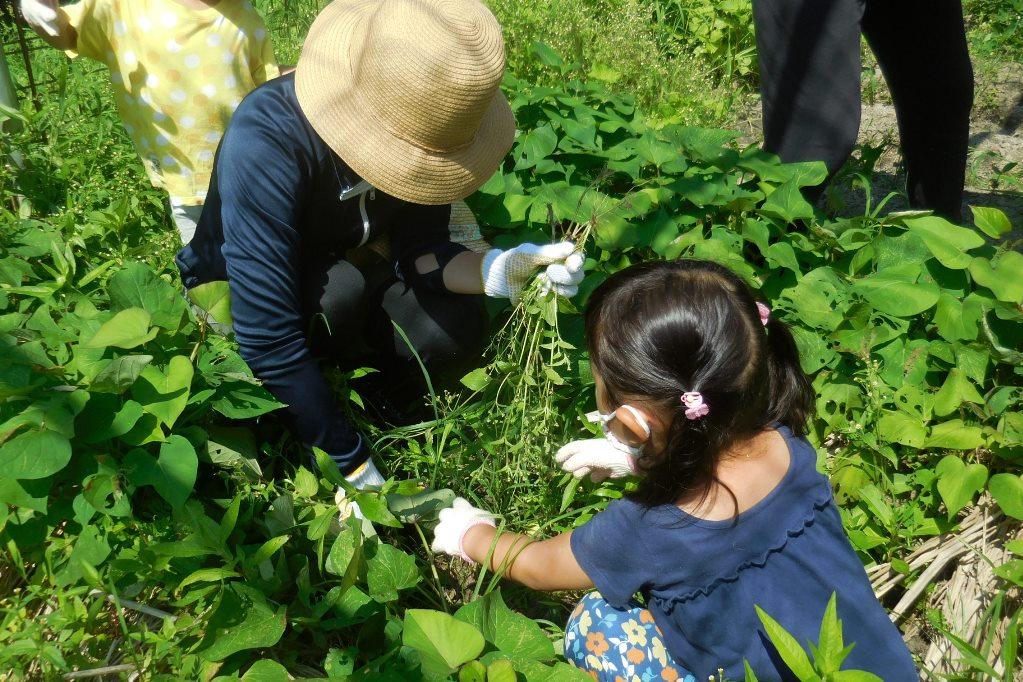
(455, 522)
(597, 457)
(505, 273)
(42, 15)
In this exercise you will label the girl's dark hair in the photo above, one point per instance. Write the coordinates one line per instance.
(659, 329)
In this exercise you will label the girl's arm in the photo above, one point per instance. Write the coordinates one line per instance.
(546, 565)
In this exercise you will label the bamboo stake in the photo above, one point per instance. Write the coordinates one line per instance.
(100, 672)
(134, 606)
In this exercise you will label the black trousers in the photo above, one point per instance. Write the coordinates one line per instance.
(809, 53)
(352, 314)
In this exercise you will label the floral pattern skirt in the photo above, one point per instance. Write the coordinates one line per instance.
(616, 645)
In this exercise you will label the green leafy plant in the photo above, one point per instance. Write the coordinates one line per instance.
(827, 655)
(155, 517)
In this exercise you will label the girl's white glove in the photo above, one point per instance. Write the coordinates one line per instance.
(597, 457)
(505, 273)
(41, 15)
(455, 522)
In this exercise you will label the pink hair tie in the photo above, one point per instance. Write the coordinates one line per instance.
(695, 407)
(765, 313)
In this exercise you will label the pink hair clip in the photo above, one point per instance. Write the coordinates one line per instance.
(695, 407)
(765, 313)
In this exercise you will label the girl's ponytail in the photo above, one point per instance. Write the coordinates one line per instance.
(792, 399)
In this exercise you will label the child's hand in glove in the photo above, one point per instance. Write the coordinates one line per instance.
(505, 273)
(455, 522)
(597, 457)
(41, 15)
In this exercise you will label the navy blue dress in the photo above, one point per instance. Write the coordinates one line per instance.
(701, 579)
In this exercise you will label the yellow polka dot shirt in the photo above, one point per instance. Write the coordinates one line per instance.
(178, 75)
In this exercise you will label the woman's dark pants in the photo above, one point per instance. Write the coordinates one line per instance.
(353, 313)
(810, 67)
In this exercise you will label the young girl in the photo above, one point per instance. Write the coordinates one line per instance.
(702, 398)
(179, 68)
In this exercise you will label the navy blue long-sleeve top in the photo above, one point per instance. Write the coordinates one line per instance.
(279, 196)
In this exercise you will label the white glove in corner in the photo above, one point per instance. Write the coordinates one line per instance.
(455, 522)
(41, 15)
(597, 457)
(505, 273)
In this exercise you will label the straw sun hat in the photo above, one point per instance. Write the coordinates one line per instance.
(406, 93)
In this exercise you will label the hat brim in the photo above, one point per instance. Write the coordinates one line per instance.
(329, 98)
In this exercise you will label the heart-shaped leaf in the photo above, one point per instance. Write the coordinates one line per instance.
(992, 221)
(958, 482)
(214, 298)
(443, 642)
(899, 427)
(957, 320)
(164, 393)
(136, 286)
(512, 633)
(244, 619)
(34, 454)
(896, 291)
(389, 571)
(955, 435)
(172, 474)
(266, 671)
(126, 329)
(948, 242)
(956, 390)
(119, 374)
(1007, 489)
(1003, 275)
